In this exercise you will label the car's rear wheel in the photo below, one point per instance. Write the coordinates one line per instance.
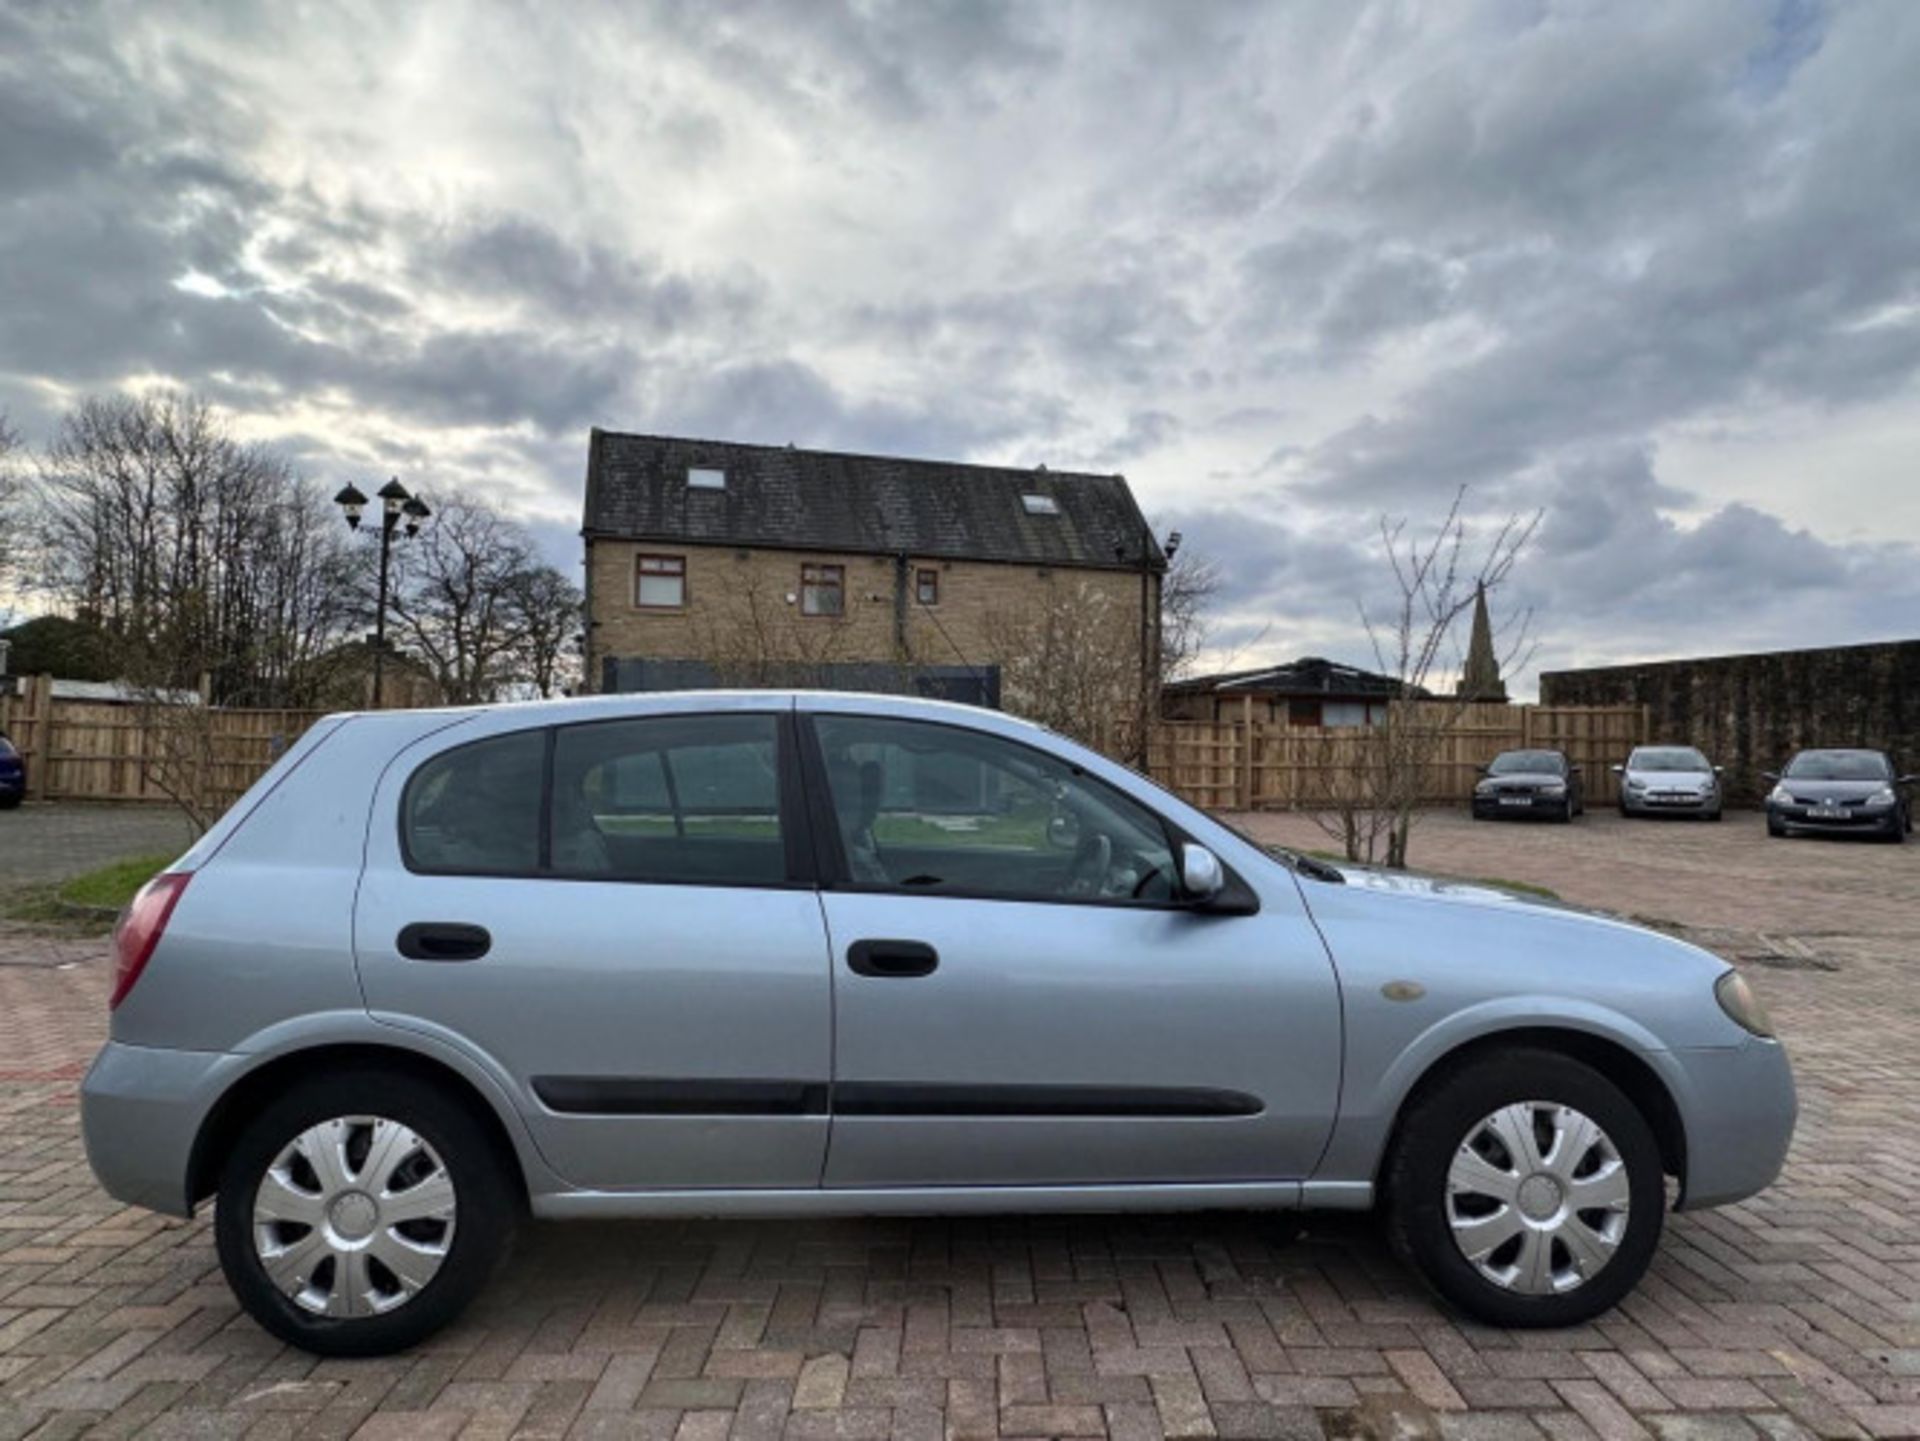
(1526, 1189)
(358, 1214)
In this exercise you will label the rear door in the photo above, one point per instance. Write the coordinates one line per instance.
(1020, 996)
(618, 914)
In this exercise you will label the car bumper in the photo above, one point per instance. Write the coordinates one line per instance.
(1647, 805)
(1493, 807)
(1738, 1109)
(1880, 818)
(141, 1109)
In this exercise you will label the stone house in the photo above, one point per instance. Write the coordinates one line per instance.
(763, 564)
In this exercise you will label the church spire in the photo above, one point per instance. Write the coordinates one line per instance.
(1481, 678)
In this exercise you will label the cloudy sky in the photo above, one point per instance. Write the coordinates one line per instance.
(1652, 268)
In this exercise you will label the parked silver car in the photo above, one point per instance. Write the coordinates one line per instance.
(1669, 780)
(762, 954)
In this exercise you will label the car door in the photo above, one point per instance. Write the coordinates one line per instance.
(1020, 996)
(618, 916)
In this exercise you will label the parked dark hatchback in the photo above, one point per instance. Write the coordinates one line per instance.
(1858, 791)
(1529, 783)
(13, 775)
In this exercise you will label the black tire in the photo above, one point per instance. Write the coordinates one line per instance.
(1438, 1123)
(485, 1220)
(11, 802)
(1715, 815)
(1565, 817)
(1775, 827)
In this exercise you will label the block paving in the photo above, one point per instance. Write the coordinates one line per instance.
(1794, 1314)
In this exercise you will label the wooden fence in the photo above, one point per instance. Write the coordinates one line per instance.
(1251, 765)
(111, 750)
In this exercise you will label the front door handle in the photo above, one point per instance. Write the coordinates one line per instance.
(892, 960)
(443, 941)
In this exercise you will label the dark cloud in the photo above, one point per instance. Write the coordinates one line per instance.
(1287, 267)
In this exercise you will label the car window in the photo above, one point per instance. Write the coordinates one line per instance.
(1667, 758)
(669, 798)
(1513, 763)
(476, 808)
(932, 808)
(1840, 766)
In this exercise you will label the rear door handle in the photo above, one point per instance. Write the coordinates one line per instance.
(443, 941)
(892, 960)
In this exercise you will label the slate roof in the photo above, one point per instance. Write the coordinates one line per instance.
(1308, 676)
(782, 497)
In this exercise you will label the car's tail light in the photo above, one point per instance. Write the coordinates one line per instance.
(141, 925)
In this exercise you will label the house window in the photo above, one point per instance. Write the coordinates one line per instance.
(823, 590)
(660, 583)
(926, 587)
(1303, 712)
(1039, 505)
(702, 479)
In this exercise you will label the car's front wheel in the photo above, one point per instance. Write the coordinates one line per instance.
(1526, 1189)
(360, 1213)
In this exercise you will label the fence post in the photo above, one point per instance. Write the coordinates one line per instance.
(1646, 725)
(1243, 779)
(41, 772)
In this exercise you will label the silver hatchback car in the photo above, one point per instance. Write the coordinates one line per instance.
(756, 954)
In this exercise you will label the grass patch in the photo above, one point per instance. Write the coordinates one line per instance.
(112, 886)
(103, 891)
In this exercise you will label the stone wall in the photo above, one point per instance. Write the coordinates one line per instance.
(738, 609)
(1750, 712)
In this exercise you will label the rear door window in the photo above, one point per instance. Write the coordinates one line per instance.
(669, 798)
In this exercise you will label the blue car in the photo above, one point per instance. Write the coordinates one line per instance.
(13, 775)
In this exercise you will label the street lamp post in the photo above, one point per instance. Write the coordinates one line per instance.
(398, 510)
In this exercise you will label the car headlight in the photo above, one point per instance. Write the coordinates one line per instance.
(1553, 790)
(1743, 1008)
(1780, 795)
(1882, 797)
(1634, 783)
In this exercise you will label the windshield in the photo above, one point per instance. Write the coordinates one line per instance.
(1840, 766)
(1667, 758)
(1514, 763)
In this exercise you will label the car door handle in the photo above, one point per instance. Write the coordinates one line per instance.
(892, 960)
(443, 941)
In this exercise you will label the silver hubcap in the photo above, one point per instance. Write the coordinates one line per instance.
(1537, 1196)
(354, 1217)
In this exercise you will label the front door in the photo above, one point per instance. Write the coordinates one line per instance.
(1020, 996)
(613, 914)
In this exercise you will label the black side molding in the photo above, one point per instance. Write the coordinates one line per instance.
(669, 1096)
(889, 1098)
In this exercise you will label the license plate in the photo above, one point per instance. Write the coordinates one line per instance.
(1516, 800)
(1829, 813)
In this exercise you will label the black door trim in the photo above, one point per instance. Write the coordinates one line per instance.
(670, 1096)
(693, 1096)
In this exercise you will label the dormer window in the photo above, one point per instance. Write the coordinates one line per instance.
(1039, 504)
(703, 479)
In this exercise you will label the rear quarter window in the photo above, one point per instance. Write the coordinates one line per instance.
(476, 808)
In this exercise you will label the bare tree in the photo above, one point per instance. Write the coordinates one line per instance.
(1072, 663)
(1187, 593)
(193, 554)
(1371, 780)
(474, 604)
(751, 636)
(12, 501)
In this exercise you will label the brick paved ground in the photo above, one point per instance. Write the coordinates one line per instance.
(1797, 1313)
(48, 842)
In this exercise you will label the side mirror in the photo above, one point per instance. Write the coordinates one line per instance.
(1573, 770)
(1482, 770)
(1202, 877)
(1905, 780)
(1719, 770)
(1618, 770)
(1769, 775)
